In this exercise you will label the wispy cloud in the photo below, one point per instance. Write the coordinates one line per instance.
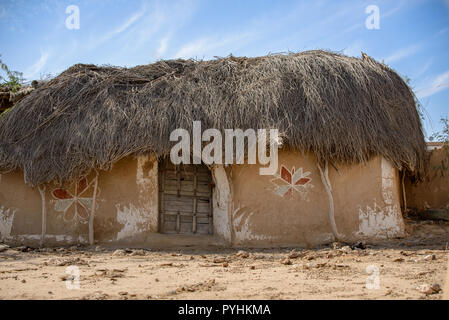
(2, 12)
(152, 29)
(354, 49)
(442, 31)
(196, 47)
(204, 46)
(163, 46)
(130, 21)
(393, 10)
(125, 25)
(402, 53)
(149, 26)
(423, 69)
(37, 67)
(440, 82)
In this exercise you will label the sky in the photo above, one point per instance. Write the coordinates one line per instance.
(41, 38)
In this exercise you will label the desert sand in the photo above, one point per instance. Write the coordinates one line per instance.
(410, 268)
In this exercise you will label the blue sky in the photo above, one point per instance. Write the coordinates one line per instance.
(413, 37)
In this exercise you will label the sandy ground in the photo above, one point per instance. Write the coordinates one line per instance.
(398, 269)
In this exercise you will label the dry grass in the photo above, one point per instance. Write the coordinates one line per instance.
(344, 109)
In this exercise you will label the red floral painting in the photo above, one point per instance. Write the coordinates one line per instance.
(288, 181)
(74, 202)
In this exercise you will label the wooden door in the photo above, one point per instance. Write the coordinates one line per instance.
(185, 199)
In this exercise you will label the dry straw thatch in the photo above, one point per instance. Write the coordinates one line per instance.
(344, 109)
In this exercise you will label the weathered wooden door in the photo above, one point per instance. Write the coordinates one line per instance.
(185, 199)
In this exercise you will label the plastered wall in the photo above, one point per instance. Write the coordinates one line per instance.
(288, 208)
(433, 191)
(292, 206)
(126, 206)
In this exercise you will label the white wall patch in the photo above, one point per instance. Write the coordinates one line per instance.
(221, 200)
(377, 222)
(134, 219)
(6, 220)
(383, 221)
(243, 232)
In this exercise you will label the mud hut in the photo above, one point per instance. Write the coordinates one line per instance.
(84, 156)
(429, 197)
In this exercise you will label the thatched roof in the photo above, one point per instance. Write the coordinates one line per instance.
(344, 109)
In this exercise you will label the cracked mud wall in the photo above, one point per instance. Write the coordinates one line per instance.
(126, 207)
(20, 209)
(433, 191)
(270, 210)
(287, 208)
(128, 201)
(368, 200)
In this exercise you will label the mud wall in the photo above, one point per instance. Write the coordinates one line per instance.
(433, 191)
(20, 208)
(126, 206)
(291, 207)
(288, 208)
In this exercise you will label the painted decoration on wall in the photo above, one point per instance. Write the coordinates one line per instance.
(289, 181)
(76, 201)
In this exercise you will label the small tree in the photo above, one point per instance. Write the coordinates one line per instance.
(13, 80)
(419, 106)
(443, 135)
(9, 80)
